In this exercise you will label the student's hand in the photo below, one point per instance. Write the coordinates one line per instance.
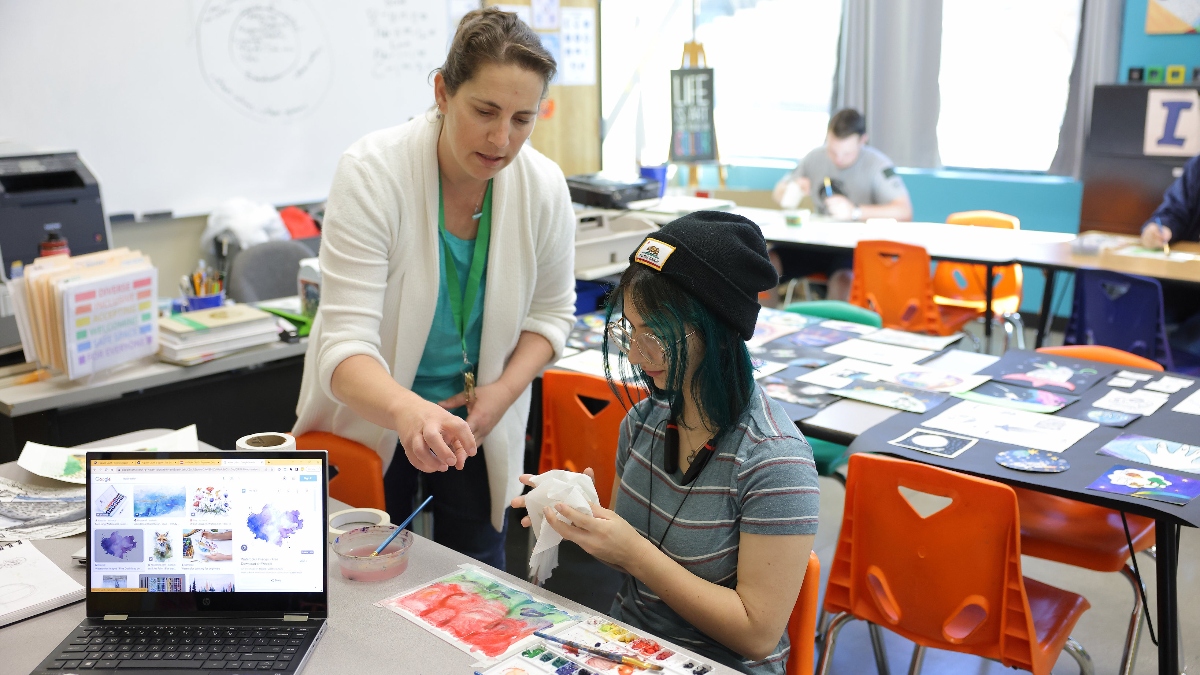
(839, 207)
(490, 404)
(1155, 235)
(605, 535)
(433, 438)
(216, 557)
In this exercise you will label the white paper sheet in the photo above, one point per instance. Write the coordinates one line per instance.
(902, 338)
(1140, 377)
(66, 464)
(865, 350)
(1016, 427)
(842, 373)
(765, 368)
(590, 361)
(32, 582)
(961, 362)
(1189, 405)
(1140, 402)
(1168, 384)
(1121, 382)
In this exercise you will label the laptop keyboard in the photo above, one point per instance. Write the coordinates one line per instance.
(275, 649)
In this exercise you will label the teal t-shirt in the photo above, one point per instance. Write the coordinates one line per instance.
(439, 375)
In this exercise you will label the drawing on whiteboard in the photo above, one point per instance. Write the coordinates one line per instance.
(406, 38)
(269, 60)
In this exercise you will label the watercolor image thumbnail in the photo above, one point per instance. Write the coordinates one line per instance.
(211, 583)
(158, 501)
(273, 524)
(161, 583)
(117, 546)
(209, 501)
(477, 612)
(114, 581)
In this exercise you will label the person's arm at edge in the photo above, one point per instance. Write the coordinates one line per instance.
(899, 208)
(1180, 200)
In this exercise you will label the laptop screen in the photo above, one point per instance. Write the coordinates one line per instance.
(197, 530)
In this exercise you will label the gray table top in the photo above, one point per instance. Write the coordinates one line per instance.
(58, 391)
(360, 638)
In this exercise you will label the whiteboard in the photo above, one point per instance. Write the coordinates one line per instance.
(179, 105)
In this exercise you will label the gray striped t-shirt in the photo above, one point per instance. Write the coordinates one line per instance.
(760, 480)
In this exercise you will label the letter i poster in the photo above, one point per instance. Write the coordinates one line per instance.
(109, 320)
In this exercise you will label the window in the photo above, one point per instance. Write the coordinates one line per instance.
(1005, 74)
(774, 62)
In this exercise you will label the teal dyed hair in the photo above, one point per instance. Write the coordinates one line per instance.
(724, 378)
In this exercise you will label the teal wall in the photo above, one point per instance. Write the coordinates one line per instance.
(1042, 202)
(1139, 49)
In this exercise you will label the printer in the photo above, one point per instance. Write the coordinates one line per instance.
(44, 194)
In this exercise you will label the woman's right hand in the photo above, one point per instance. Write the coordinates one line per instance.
(1155, 235)
(433, 438)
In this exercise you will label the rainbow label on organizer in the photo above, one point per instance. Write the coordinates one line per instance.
(87, 313)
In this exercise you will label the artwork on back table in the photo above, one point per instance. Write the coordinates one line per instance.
(935, 442)
(893, 396)
(785, 350)
(798, 393)
(1045, 371)
(1147, 484)
(1018, 398)
(1154, 451)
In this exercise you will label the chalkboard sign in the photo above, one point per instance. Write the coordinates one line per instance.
(693, 135)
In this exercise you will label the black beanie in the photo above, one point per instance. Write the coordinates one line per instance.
(720, 258)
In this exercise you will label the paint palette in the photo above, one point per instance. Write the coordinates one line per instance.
(602, 633)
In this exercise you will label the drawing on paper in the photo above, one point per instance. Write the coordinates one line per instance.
(273, 524)
(1147, 484)
(476, 612)
(1154, 451)
(798, 393)
(1018, 398)
(268, 60)
(1040, 371)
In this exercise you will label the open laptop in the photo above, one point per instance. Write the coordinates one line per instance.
(201, 562)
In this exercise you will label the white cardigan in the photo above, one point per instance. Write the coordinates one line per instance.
(380, 275)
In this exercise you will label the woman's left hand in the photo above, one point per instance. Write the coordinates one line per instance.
(605, 535)
(490, 404)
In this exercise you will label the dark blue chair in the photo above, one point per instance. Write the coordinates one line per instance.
(1121, 311)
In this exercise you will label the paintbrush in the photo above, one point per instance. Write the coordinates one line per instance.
(402, 525)
(611, 656)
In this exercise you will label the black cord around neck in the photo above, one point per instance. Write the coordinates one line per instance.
(670, 466)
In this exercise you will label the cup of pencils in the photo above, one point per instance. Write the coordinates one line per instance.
(205, 289)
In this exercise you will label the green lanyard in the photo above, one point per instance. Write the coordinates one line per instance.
(463, 303)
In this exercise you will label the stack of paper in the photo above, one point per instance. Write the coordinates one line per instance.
(33, 583)
(87, 313)
(205, 334)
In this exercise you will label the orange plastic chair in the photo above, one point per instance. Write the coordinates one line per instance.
(964, 285)
(359, 481)
(892, 279)
(1086, 535)
(1103, 355)
(802, 624)
(950, 579)
(581, 420)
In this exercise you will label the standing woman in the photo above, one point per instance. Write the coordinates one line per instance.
(447, 262)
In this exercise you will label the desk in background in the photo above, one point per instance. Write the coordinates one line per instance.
(226, 398)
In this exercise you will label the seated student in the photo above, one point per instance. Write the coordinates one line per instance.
(847, 180)
(715, 499)
(1178, 219)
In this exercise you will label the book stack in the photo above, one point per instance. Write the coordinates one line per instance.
(83, 314)
(203, 335)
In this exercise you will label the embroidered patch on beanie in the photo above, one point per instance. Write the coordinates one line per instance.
(654, 253)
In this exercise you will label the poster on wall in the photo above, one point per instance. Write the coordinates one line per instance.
(1172, 17)
(693, 134)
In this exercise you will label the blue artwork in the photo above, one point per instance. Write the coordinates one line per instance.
(273, 524)
(116, 546)
(1147, 484)
(1154, 451)
(158, 501)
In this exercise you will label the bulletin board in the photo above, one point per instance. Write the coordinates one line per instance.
(568, 128)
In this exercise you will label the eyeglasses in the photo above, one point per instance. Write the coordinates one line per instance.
(648, 344)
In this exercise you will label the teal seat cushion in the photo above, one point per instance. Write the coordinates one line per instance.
(828, 456)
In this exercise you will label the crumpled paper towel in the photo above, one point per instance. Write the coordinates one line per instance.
(553, 487)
